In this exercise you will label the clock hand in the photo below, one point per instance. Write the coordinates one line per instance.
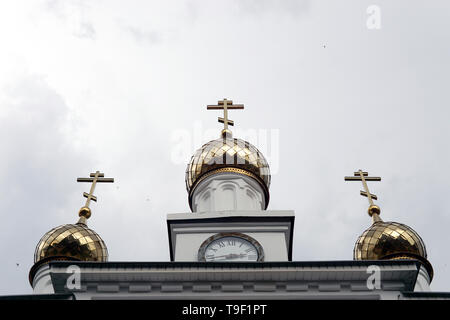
(229, 256)
(222, 256)
(234, 256)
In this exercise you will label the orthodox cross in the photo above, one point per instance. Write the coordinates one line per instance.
(225, 105)
(94, 178)
(364, 177)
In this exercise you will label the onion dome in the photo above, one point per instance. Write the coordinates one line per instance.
(227, 155)
(231, 155)
(73, 242)
(390, 241)
(70, 242)
(387, 240)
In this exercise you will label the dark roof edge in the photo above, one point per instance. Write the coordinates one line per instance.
(50, 296)
(423, 294)
(243, 265)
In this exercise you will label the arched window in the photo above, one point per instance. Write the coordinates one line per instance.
(226, 197)
(205, 202)
(252, 200)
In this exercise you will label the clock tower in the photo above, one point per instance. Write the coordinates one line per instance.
(228, 181)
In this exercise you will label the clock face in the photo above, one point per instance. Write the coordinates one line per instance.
(231, 247)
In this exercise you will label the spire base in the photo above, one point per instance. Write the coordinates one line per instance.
(85, 212)
(226, 134)
(374, 211)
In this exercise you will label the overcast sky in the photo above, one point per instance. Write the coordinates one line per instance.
(122, 87)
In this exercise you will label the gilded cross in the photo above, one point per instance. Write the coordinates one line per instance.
(225, 105)
(364, 177)
(94, 178)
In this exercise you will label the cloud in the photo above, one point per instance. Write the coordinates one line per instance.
(75, 15)
(373, 100)
(143, 36)
(291, 7)
(36, 164)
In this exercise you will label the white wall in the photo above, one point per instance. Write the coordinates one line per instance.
(228, 191)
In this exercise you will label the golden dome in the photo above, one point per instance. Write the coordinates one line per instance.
(391, 241)
(228, 154)
(71, 241)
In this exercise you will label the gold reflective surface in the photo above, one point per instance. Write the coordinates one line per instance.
(384, 239)
(227, 152)
(75, 241)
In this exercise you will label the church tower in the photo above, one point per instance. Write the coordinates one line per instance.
(228, 182)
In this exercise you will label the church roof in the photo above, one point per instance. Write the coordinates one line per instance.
(294, 276)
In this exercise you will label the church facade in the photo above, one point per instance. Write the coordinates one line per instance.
(230, 246)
